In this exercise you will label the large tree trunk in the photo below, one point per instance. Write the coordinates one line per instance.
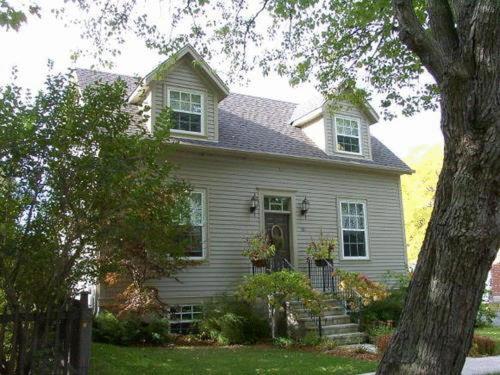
(463, 236)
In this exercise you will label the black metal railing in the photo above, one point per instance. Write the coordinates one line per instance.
(321, 275)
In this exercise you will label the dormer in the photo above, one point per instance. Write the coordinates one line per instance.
(190, 88)
(339, 130)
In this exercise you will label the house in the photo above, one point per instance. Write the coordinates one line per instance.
(257, 163)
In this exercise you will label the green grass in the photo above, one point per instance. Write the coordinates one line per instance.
(491, 332)
(110, 360)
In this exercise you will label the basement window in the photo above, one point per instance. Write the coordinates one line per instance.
(183, 317)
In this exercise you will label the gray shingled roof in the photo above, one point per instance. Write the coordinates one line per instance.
(254, 124)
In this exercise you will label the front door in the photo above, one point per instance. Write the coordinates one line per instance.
(277, 226)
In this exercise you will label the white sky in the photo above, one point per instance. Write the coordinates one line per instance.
(41, 40)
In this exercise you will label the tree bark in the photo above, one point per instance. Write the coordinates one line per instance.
(436, 328)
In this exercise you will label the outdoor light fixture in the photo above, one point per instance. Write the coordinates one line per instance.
(304, 207)
(254, 202)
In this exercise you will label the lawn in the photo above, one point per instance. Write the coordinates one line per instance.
(110, 360)
(491, 332)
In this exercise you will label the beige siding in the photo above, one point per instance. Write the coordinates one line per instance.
(230, 182)
(315, 131)
(349, 111)
(183, 76)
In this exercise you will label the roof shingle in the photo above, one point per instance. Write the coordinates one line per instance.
(254, 124)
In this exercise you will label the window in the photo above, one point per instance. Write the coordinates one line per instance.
(182, 318)
(187, 110)
(353, 225)
(280, 204)
(197, 237)
(348, 139)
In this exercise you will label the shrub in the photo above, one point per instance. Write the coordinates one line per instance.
(382, 343)
(107, 328)
(379, 330)
(368, 289)
(229, 320)
(327, 344)
(485, 315)
(283, 342)
(386, 310)
(482, 345)
(311, 338)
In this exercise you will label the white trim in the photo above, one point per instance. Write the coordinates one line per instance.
(360, 135)
(341, 229)
(204, 227)
(202, 114)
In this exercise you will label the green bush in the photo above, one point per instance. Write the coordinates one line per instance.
(386, 310)
(229, 320)
(107, 328)
(283, 342)
(485, 315)
(311, 339)
(482, 345)
(379, 330)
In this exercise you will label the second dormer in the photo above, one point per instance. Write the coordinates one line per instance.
(340, 129)
(190, 88)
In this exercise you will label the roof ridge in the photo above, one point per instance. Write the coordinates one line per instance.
(105, 72)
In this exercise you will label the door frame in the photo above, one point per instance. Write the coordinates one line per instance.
(292, 224)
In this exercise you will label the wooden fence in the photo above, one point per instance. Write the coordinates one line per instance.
(49, 343)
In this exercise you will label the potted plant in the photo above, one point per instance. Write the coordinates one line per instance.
(322, 250)
(259, 249)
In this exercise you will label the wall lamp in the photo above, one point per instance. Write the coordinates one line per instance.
(254, 203)
(304, 206)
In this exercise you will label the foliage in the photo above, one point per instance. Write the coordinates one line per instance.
(259, 247)
(80, 195)
(324, 248)
(482, 345)
(229, 320)
(279, 287)
(283, 342)
(380, 330)
(107, 328)
(382, 342)
(114, 360)
(368, 289)
(418, 195)
(485, 315)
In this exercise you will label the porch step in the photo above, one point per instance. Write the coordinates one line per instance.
(336, 329)
(348, 338)
(331, 311)
(327, 320)
(331, 302)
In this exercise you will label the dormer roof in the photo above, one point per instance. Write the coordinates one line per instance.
(162, 69)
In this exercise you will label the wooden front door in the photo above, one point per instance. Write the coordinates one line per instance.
(277, 226)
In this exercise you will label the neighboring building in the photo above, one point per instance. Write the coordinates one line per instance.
(494, 280)
(237, 148)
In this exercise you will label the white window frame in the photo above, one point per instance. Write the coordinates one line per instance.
(359, 137)
(203, 227)
(341, 229)
(202, 114)
(181, 320)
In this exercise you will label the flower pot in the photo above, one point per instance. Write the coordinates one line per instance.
(321, 262)
(259, 262)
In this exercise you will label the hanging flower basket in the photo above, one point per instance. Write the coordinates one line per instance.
(322, 262)
(259, 263)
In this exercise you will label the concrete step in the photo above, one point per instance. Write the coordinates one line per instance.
(337, 328)
(301, 312)
(327, 320)
(328, 302)
(348, 338)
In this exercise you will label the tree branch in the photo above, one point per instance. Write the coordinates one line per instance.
(414, 36)
(442, 26)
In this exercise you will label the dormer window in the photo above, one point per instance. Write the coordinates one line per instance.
(187, 108)
(348, 135)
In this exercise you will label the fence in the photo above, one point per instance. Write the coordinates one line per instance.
(50, 343)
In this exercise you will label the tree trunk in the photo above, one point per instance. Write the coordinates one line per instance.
(436, 328)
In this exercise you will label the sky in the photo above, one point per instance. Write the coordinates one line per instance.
(41, 40)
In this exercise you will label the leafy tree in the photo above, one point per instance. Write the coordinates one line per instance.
(385, 46)
(277, 288)
(82, 195)
(419, 190)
